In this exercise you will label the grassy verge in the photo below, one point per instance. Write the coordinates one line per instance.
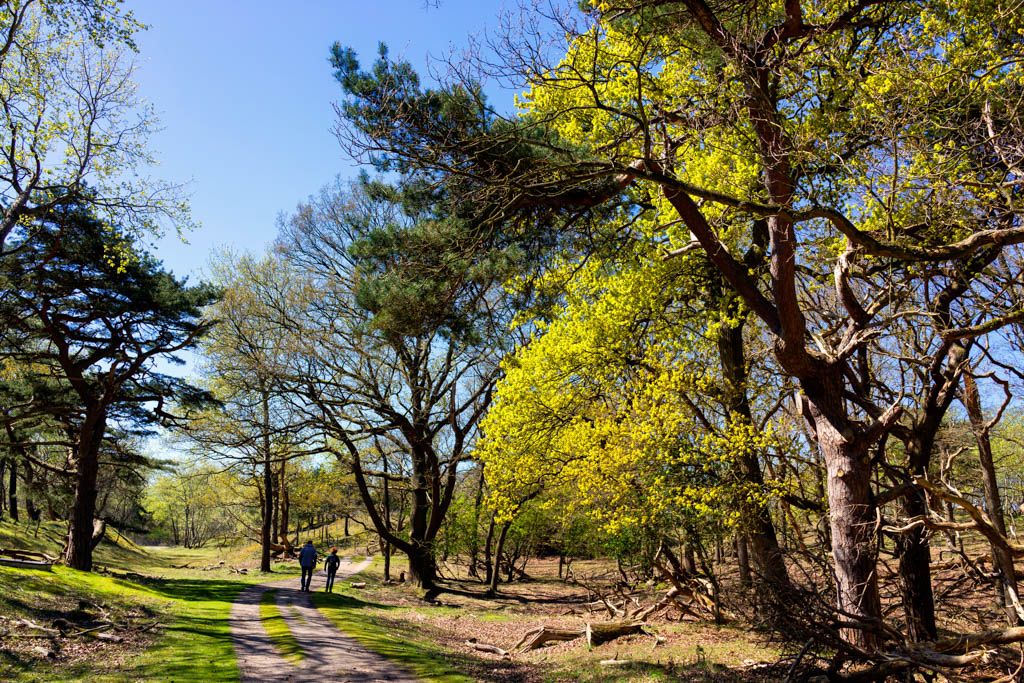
(78, 597)
(362, 622)
(276, 627)
(136, 587)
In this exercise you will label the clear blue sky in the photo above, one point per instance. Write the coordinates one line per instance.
(244, 94)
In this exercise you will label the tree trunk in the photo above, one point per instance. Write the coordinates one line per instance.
(743, 561)
(268, 489)
(99, 531)
(3, 497)
(852, 517)
(78, 551)
(495, 572)
(488, 566)
(474, 542)
(915, 575)
(1008, 595)
(275, 523)
(689, 559)
(385, 549)
(286, 504)
(773, 578)
(30, 506)
(12, 495)
(422, 566)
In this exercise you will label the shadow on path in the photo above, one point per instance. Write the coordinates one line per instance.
(327, 652)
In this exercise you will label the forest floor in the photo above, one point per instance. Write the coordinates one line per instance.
(170, 613)
(169, 609)
(453, 622)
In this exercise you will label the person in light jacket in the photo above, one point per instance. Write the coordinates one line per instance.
(307, 562)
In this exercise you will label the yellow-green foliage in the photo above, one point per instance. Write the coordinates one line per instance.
(601, 402)
(891, 121)
(884, 129)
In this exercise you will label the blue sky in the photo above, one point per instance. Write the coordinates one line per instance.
(244, 95)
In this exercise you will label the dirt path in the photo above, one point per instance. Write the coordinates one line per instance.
(328, 654)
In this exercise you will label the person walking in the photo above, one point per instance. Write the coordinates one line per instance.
(331, 565)
(307, 562)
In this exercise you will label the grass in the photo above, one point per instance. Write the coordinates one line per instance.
(192, 605)
(358, 620)
(193, 602)
(44, 596)
(694, 652)
(277, 628)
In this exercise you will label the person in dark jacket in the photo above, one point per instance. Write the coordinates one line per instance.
(307, 562)
(331, 565)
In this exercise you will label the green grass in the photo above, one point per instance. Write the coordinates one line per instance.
(196, 645)
(277, 628)
(417, 655)
(192, 605)
(44, 596)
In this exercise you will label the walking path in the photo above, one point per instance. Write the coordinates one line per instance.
(328, 654)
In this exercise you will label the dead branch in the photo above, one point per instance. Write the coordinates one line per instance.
(595, 634)
(487, 647)
(981, 520)
(971, 641)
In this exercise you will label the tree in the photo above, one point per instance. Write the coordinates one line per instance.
(92, 315)
(379, 376)
(619, 400)
(190, 507)
(731, 120)
(254, 423)
(73, 130)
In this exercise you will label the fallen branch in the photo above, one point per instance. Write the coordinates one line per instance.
(971, 641)
(595, 634)
(487, 647)
(28, 623)
(615, 662)
(546, 634)
(26, 554)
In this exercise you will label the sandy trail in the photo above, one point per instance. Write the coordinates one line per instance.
(328, 654)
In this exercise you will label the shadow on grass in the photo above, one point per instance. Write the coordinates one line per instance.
(413, 646)
(669, 671)
(455, 587)
(196, 644)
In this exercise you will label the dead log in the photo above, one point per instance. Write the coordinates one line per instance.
(604, 632)
(90, 631)
(970, 641)
(595, 634)
(28, 623)
(616, 662)
(26, 554)
(487, 647)
(109, 637)
(540, 637)
(949, 653)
